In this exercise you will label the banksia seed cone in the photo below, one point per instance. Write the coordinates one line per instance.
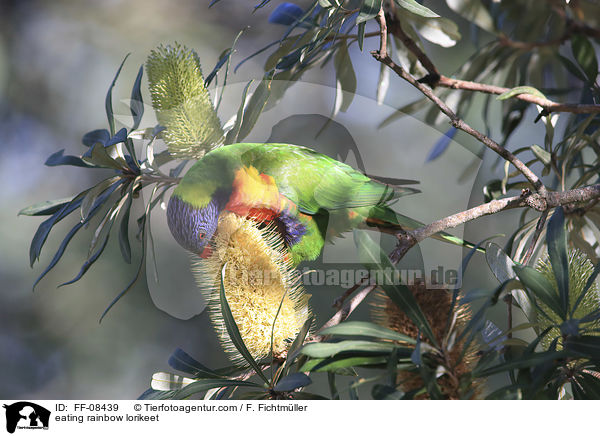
(580, 270)
(435, 304)
(259, 282)
(182, 103)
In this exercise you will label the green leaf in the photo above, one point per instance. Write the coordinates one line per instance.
(518, 91)
(528, 361)
(499, 262)
(93, 194)
(440, 31)
(473, 11)
(182, 361)
(233, 133)
(59, 158)
(572, 68)
(204, 385)
(340, 363)
(363, 328)
(585, 55)
(136, 105)
(345, 79)
(374, 258)
(108, 101)
(327, 349)
(541, 288)
(255, 106)
(556, 239)
(292, 382)
(416, 8)
(584, 345)
(103, 156)
(544, 156)
(407, 109)
(48, 207)
(368, 10)
(233, 331)
(361, 35)
(124, 245)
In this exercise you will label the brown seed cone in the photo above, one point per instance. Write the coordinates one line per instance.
(435, 304)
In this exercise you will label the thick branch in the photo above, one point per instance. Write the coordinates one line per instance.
(527, 199)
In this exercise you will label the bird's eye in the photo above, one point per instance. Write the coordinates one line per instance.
(201, 235)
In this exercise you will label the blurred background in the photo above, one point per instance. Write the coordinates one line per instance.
(57, 59)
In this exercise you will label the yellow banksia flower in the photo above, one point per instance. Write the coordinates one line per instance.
(182, 103)
(435, 305)
(262, 287)
(580, 270)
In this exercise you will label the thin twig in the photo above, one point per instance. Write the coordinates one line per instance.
(546, 104)
(349, 307)
(435, 78)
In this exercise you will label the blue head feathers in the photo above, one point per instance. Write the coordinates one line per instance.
(192, 228)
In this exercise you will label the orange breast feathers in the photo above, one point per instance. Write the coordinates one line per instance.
(256, 195)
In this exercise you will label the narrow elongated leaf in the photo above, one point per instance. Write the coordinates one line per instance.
(108, 101)
(286, 13)
(182, 361)
(473, 11)
(363, 328)
(416, 8)
(499, 262)
(92, 195)
(292, 382)
(373, 257)
(59, 253)
(59, 158)
(45, 207)
(541, 288)
(345, 79)
(368, 10)
(137, 103)
(585, 345)
(556, 239)
(361, 35)
(124, 244)
(164, 381)
(204, 385)
(441, 145)
(341, 363)
(325, 349)
(544, 156)
(233, 134)
(44, 229)
(255, 106)
(585, 55)
(99, 135)
(524, 362)
(233, 331)
(520, 90)
(440, 31)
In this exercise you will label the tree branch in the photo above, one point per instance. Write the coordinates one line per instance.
(526, 199)
(384, 58)
(435, 78)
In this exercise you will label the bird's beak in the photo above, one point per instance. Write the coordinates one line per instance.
(206, 252)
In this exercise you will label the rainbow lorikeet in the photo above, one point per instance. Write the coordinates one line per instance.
(310, 198)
